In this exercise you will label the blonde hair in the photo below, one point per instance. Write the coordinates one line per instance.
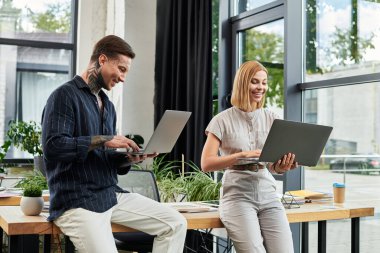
(240, 90)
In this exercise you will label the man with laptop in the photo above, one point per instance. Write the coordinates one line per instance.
(79, 138)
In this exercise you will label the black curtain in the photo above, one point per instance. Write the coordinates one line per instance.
(183, 79)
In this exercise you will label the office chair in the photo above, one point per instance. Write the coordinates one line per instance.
(144, 183)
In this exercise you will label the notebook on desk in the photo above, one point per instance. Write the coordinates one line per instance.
(166, 133)
(189, 207)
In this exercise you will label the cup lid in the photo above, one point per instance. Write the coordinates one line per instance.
(338, 185)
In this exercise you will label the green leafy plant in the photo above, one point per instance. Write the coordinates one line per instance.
(3, 152)
(37, 179)
(164, 169)
(32, 190)
(171, 189)
(172, 183)
(200, 186)
(26, 136)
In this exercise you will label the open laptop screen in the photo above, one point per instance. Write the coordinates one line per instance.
(166, 133)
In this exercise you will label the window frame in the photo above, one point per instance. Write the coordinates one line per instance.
(53, 45)
(70, 46)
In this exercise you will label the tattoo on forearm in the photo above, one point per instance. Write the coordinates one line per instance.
(98, 141)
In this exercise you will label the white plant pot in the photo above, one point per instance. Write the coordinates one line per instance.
(31, 205)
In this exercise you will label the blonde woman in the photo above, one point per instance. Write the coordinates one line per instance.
(249, 208)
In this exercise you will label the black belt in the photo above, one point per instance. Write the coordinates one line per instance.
(250, 167)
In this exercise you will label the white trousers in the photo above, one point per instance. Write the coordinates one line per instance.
(91, 232)
(254, 217)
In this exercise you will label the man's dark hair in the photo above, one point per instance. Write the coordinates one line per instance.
(111, 46)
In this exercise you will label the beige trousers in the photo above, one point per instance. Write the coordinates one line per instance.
(254, 217)
(91, 232)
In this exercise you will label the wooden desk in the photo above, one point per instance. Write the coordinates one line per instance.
(321, 212)
(15, 224)
(15, 200)
(21, 222)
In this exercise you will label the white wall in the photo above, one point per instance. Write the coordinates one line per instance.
(140, 32)
(91, 27)
(134, 20)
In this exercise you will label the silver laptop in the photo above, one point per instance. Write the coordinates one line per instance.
(304, 140)
(166, 133)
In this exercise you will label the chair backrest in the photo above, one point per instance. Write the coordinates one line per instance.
(140, 181)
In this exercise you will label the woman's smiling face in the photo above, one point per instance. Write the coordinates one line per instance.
(258, 86)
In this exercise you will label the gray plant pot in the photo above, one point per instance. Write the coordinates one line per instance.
(39, 164)
(31, 205)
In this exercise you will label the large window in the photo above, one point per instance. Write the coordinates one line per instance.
(342, 90)
(265, 43)
(331, 74)
(351, 156)
(342, 38)
(354, 144)
(258, 34)
(37, 48)
(344, 52)
(40, 20)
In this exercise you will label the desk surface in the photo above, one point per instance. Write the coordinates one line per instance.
(14, 222)
(328, 211)
(15, 200)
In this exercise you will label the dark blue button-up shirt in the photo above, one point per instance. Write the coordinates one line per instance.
(77, 177)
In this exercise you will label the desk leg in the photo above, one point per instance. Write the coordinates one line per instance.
(2, 237)
(322, 236)
(69, 246)
(47, 243)
(23, 244)
(355, 235)
(305, 237)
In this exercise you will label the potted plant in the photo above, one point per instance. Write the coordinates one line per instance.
(27, 136)
(176, 185)
(36, 179)
(32, 201)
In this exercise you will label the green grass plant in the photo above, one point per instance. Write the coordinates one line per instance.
(195, 185)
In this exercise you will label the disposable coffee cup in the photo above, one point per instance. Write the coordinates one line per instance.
(339, 192)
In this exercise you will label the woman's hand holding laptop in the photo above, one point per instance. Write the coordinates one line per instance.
(285, 164)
